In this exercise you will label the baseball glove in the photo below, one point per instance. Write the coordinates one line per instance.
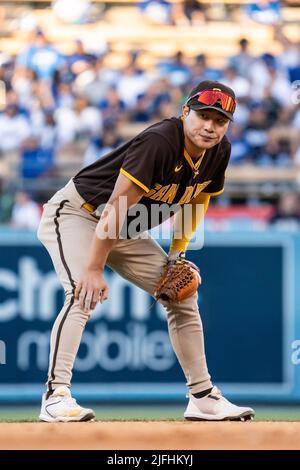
(180, 280)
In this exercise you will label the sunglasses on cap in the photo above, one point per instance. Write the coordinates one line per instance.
(211, 97)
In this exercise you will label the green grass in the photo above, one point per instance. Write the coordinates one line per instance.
(103, 413)
(141, 413)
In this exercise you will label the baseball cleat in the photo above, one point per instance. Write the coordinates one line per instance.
(61, 407)
(215, 407)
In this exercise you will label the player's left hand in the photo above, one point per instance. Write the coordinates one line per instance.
(180, 280)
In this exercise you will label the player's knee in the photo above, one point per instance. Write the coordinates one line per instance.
(189, 305)
(74, 310)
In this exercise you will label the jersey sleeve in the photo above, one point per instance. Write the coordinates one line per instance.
(144, 161)
(195, 217)
(216, 186)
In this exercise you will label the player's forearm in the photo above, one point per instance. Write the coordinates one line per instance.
(99, 252)
(185, 227)
(106, 235)
(125, 195)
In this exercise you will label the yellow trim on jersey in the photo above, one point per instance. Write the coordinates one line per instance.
(194, 166)
(181, 244)
(214, 194)
(198, 162)
(132, 178)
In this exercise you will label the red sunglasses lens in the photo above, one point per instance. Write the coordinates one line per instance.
(211, 97)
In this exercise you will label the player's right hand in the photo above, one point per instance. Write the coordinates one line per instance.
(91, 289)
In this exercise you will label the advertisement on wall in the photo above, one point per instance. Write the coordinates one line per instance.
(125, 348)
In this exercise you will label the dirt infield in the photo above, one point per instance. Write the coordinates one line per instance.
(150, 435)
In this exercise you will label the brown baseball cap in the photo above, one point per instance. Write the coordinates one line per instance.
(211, 94)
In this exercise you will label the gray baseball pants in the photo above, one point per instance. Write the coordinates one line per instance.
(66, 230)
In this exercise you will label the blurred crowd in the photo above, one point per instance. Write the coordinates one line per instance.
(195, 13)
(51, 102)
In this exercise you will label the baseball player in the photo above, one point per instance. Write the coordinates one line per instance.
(176, 161)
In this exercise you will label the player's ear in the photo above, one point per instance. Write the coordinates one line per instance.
(185, 111)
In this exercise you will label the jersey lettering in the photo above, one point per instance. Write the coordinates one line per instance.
(167, 193)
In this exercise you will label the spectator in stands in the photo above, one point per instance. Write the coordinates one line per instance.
(63, 76)
(289, 59)
(165, 109)
(149, 102)
(46, 131)
(78, 12)
(256, 132)
(276, 153)
(242, 62)
(81, 121)
(264, 74)
(284, 135)
(287, 213)
(240, 84)
(95, 80)
(26, 213)
(103, 145)
(41, 57)
(143, 109)
(156, 11)
(195, 11)
(131, 84)
(162, 90)
(80, 55)
(240, 151)
(177, 70)
(188, 12)
(265, 11)
(111, 106)
(23, 81)
(64, 95)
(200, 71)
(39, 152)
(14, 129)
(273, 108)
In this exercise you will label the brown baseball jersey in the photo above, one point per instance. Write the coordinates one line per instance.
(157, 161)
